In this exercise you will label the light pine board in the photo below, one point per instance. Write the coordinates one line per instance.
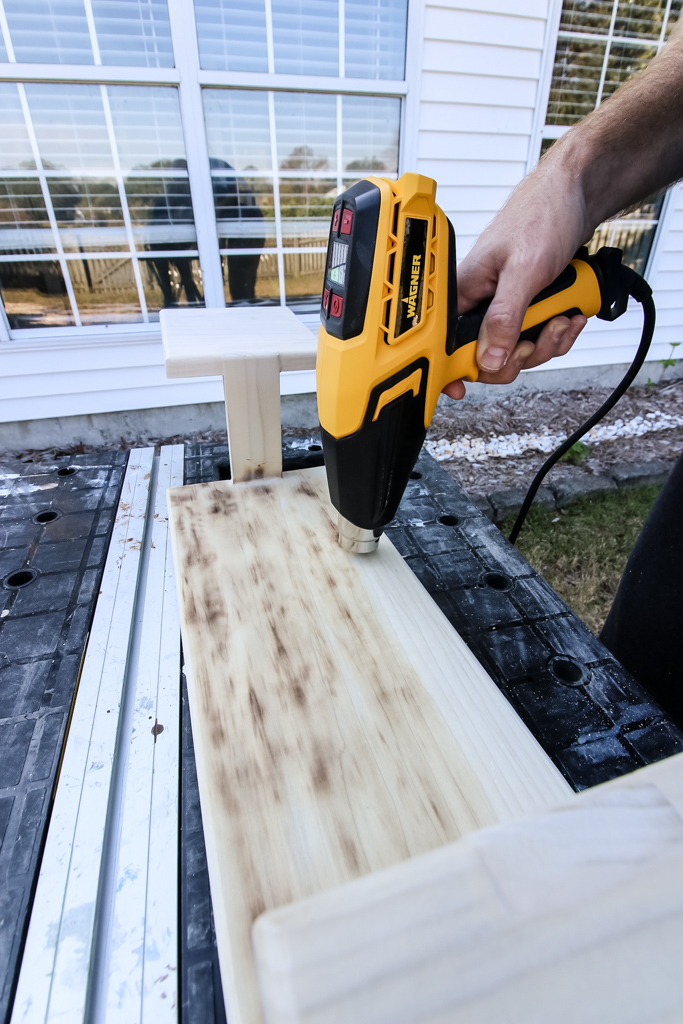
(575, 915)
(249, 348)
(340, 724)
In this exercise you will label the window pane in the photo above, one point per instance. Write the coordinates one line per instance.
(643, 20)
(88, 214)
(674, 15)
(174, 281)
(24, 224)
(576, 77)
(623, 62)
(49, 31)
(251, 279)
(70, 127)
(375, 38)
(245, 215)
(147, 126)
(232, 34)
(306, 37)
(586, 15)
(161, 213)
(304, 273)
(34, 295)
(306, 209)
(3, 50)
(15, 148)
(370, 126)
(105, 290)
(238, 128)
(133, 32)
(306, 127)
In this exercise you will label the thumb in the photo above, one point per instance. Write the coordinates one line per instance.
(503, 322)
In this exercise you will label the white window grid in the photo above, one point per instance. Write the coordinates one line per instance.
(189, 78)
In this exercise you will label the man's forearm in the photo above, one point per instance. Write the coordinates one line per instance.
(632, 145)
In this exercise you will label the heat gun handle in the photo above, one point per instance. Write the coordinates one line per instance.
(576, 290)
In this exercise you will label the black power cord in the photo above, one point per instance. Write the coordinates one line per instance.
(640, 290)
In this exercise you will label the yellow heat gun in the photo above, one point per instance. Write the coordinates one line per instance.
(391, 339)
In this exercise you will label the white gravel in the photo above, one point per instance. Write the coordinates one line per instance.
(502, 446)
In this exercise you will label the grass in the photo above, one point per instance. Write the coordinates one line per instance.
(582, 550)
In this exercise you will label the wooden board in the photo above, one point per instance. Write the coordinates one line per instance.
(340, 724)
(197, 341)
(249, 348)
(576, 915)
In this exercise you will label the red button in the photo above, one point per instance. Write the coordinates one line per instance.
(335, 219)
(326, 299)
(347, 222)
(337, 305)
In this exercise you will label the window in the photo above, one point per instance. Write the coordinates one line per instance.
(602, 43)
(98, 224)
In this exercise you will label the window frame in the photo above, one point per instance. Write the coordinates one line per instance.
(189, 78)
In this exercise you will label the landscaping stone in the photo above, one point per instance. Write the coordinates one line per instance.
(570, 490)
(510, 499)
(634, 474)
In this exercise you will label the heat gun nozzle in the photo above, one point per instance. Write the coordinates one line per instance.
(356, 540)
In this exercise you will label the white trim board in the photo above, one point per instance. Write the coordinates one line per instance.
(102, 940)
(53, 981)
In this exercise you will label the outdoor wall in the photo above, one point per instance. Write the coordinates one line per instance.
(477, 76)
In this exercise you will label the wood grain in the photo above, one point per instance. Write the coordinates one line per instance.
(575, 915)
(340, 723)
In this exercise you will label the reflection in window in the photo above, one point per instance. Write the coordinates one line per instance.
(133, 32)
(127, 32)
(289, 208)
(147, 126)
(633, 232)
(106, 292)
(171, 282)
(306, 37)
(232, 34)
(34, 294)
(24, 223)
(251, 279)
(70, 127)
(576, 80)
(238, 128)
(120, 189)
(89, 214)
(49, 31)
(15, 147)
(306, 128)
(375, 38)
(370, 126)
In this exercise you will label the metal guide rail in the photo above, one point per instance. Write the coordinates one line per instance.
(108, 939)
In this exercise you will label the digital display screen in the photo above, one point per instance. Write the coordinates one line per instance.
(336, 263)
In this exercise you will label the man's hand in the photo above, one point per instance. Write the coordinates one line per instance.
(529, 243)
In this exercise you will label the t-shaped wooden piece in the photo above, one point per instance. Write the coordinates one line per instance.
(248, 347)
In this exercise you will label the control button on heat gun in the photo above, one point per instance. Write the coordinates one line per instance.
(326, 300)
(346, 222)
(336, 306)
(335, 219)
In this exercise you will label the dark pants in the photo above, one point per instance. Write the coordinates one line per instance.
(644, 628)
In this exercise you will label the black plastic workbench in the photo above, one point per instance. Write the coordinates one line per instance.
(56, 517)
